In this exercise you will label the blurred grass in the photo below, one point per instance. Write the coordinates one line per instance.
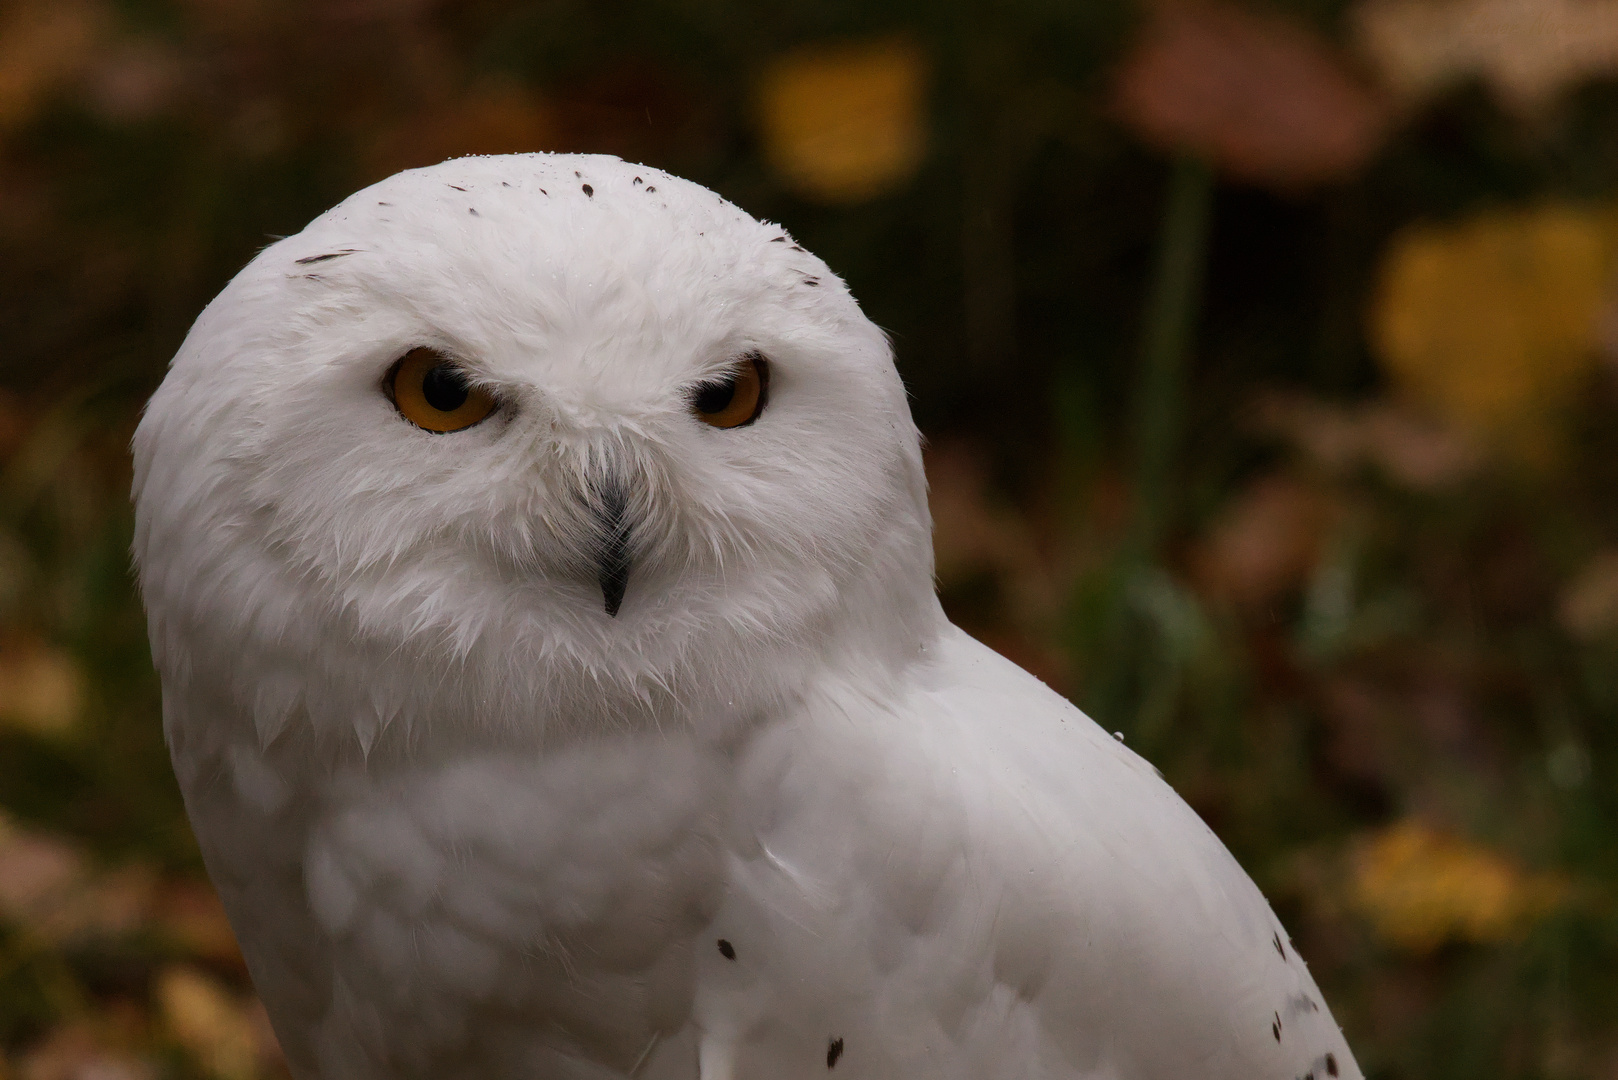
(1370, 636)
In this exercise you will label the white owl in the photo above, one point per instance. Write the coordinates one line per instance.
(539, 570)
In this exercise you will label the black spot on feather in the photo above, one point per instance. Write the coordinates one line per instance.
(308, 259)
(779, 240)
(457, 187)
(1278, 947)
(834, 1050)
(473, 212)
(384, 204)
(638, 180)
(589, 192)
(795, 247)
(650, 189)
(726, 949)
(505, 183)
(1331, 1064)
(811, 281)
(1275, 1028)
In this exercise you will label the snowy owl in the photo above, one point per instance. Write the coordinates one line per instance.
(538, 565)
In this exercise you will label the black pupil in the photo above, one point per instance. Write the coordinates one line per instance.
(444, 388)
(714, 397)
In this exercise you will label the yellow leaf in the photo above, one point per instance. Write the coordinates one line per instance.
(844, 124)
(1421, 888)
(41, 688)
(208, 1020)
(1495, 321)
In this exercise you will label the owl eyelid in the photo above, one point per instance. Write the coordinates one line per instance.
(391, 375)
(752, 362)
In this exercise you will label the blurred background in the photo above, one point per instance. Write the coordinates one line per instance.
(1267, 351)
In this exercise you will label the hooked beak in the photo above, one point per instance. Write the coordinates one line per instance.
(612, 557)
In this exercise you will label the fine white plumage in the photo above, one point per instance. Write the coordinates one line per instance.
(617, 732)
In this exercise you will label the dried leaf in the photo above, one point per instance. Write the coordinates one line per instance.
(1415, 450)
(37, 873)
(42, 46)
(190, 913)
(1265, 542)
(1589, 604)
(134, 81)
(845, 124)
(1258, 95)
(1495, 321)
(1421, 888)
(209, 1021)
(78, 1052)
(1528, 50)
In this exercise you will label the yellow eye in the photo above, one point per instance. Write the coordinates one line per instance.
(736, 399)
(432, 393)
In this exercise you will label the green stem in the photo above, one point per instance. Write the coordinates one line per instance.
(1170, 317)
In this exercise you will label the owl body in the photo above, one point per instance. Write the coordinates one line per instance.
(583, 708)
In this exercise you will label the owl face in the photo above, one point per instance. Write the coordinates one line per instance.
(541, 424)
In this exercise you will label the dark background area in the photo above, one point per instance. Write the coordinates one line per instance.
(1264, 350)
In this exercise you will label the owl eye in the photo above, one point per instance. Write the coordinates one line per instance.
(738, 398)
(432, 393)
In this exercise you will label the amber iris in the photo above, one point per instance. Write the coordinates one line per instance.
(434, 394)
(736, 399)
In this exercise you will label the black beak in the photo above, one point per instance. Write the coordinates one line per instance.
(612, 558)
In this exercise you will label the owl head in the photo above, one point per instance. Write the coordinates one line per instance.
(533, 444)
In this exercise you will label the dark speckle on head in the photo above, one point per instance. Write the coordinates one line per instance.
(384, 204)
(589, 191)
(1275, 1028)
(457, 187)
(1278, 947)
(542, 191)
(650, 189)
(1331, 1064)
(471, 211)
(726, 949)
(779, 240)
(812, 281)
(795, 247)
(638, 180)
(505, 183)
(834, 1050)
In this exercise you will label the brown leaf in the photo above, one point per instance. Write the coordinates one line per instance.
(78, 1052)
(1529, 51)
(1257, 95)
(1589, 604)
(43, 45)
(1265, 543)
(37, 873)
(1414, 449)
(190, 913)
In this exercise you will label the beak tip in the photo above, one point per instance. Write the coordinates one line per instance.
(614, 583)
